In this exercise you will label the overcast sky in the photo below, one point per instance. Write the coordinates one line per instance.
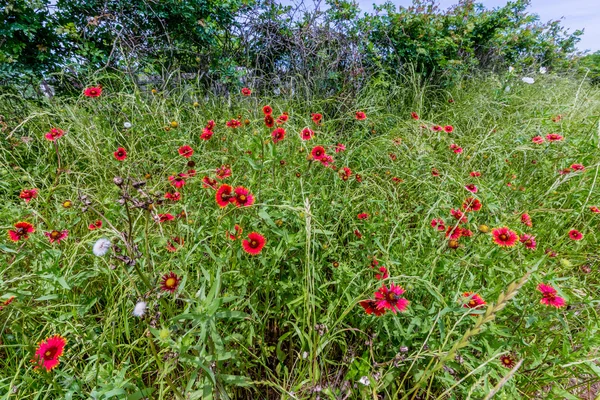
(578, 14)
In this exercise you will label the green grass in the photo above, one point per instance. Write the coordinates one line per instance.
(286, 323)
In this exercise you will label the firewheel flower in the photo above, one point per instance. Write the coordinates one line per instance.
(362, 216)
(307, 134)
(414, 115)
(242, 197)
(186, 151)
(472, 300)
(508, 360)
(537, 139)
(574, 234)
(28, 194)
(471, 204)
(360, 115)
(267, 110)
(57, 236)
(120, 154)
(95, 225)
(169, 282)
(174, 244)
(54, 134)
(317, 153)
(370, 307)
(471, 188)
(21, 231)
(448, 128)
(339, 148)
(93, 91)
(504, 237)
(246, 92)
(550, 296)
(254, 244)
(526, 220)
(554, 137)
(177, 181)
(528, 241)
(206, 134)
(48, 353)
(316, 117)
(224, 195)
(278, 135)
(390, 298)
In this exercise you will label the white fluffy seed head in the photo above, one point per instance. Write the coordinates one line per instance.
(140, 309)
(528, 80)
(127, 125)
(101, 247)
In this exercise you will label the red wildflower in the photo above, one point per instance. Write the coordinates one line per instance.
(224, 195)
(282, 119)
(246, 92)
(504, 237)
(206, 134)
(254, 244)
(389, 298)
(93, 91)
(475, 174)
(357, 234)
(550, 296)
(471, 204)
(191, 172)
(208, 182)
(453, 232)
(7, 302)
(360, 115)
(175, 196)
(449, 128)
(574, 234)
(370, 307)
(56, 236)
(267, 110)
(269, 121)
(528, 241)
(28, 194)
(21, 231)
(170, 282)
(186, 151)
(526, 220)
(358, 178)
(165, 218)
(471, 188)
(595, 209)
(224, 171)
(362, 216)
(316, 118)
(243, 197)
(120, 154)
(577, 167)
(537, 139)
(238, 232)
(95, 225)
(210, 125)
(436, 128)
(508, 360)
(456, 148)
(54, 134)
(383, 274)
(278, 134)
(464, 232)
(48, 352)
(435, 172)
(438, 223)
(174, 244)
(414, 115)
(554, 137)
(234, 123)
(397, 180)
(339, 148)
(472, 300)
(459, 215)
(307, 134)
(177, 181)
(318, 152)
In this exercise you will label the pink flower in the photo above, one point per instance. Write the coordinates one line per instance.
(528, 241)
(526, 220)
(362, 216)
(56, 236)
(574, 234)
(390, 298)
(537, 139)
(54, 134)
(186, 151)
(339, 148)
(554, 137)
(471, 188)
(577, 167)
(550, 297)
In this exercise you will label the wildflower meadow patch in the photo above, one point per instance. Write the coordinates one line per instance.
(415, 243)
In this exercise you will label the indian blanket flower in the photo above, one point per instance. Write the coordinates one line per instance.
(307, 134)
(169, 282)
(21, 231)
(382, 274)
(390, 298)
(316, 117)
(206, 134)
(370, 307)
(574, 234)
(438, 224)
(504, 237)
(54, 134)
(120, 154)
(550, 296)
(339, 148)
(475, 174)
(93, 91)
(164, 218)
(471, 188)
(48, 352)
(448, 128)
(508, 360)
(317, 153)
(267, 110)
(528, 241)
(278, 135)
(472, 300)
(238, 232)
(459, 215)
(554, 137)
(456, 148)
(360, 115)
(208, 182)
(186, 151)
(173, 196)
(436, 128)
(224, 171)
(174, 244)
(471, 204)
(234, 123)
(537, 139)
(414, 115)
(254, 244)
(595, 209)
(56, 236)
(28, 194)
(243, 197)
(246, 92)
(282, 119)
(526, 220)
(224, 195)
(453, 232)
(95, 225)
(178, 180)
(362, 216)
(345, 173)
(577, 167)
(435, 172)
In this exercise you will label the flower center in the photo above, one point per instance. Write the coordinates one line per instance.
(170, 282)
(242, 197)
(253, 244)
(504, 237)
(55, 234)
(50, 353)
(472, 303)
(392, 297)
